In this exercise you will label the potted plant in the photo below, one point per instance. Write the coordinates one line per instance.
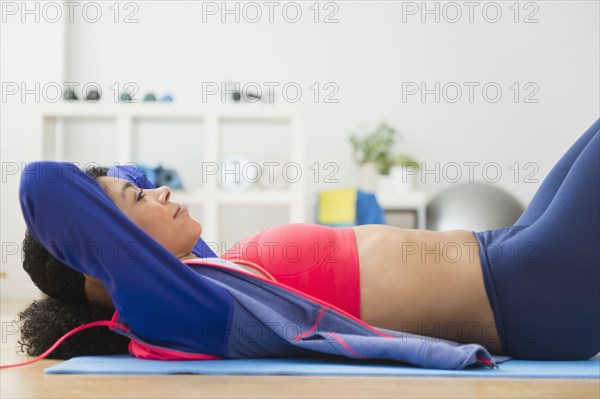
(403, 173)
(382, 170)
(372, 153)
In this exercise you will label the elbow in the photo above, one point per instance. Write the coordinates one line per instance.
(42, 186)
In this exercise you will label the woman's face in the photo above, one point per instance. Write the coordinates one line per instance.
(167, 222)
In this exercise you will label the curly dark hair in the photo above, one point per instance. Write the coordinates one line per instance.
(45, 321)
(51, 276)
(65, 308)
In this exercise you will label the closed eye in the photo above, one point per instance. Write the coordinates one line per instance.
(140, 195)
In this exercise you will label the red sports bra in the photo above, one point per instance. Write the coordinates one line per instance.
(319, 260)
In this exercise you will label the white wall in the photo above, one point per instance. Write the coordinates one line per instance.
(368, 54)
(30, 53)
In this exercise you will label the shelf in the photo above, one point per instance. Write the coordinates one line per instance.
(266, 197)
(414, 200)
(409, 199)
(238, 112)
(250, 197)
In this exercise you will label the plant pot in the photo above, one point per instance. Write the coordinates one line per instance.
(384, 184)
(368, 177)
(403, 179)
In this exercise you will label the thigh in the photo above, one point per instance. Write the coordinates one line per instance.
(552, 182)
(545, 276)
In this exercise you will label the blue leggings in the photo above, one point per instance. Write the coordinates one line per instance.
(542, 275)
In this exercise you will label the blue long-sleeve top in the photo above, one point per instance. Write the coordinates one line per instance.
(197, 308)
(71, 216)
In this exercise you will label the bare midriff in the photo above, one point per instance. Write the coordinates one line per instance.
(425, 282)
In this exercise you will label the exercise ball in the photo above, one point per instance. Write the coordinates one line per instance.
(472, 206)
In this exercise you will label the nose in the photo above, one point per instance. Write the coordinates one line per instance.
(164, 193)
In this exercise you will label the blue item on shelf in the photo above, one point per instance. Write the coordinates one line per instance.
(125, 97)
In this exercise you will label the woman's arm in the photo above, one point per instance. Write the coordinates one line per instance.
(162, 300)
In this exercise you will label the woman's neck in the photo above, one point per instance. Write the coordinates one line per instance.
(188, 256)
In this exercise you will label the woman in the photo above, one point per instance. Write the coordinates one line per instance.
(322, 264)
(519, 291)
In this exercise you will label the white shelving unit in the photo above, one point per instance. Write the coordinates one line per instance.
(211, 196)
(413, 201)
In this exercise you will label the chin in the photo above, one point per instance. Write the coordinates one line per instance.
(197, 223)
(199, 230)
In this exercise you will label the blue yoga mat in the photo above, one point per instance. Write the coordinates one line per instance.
(127, 364)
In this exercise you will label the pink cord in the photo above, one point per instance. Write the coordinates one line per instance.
(67, 335)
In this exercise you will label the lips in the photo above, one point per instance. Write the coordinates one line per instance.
(177, 212)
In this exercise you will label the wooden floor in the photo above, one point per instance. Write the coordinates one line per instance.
(30, 382)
